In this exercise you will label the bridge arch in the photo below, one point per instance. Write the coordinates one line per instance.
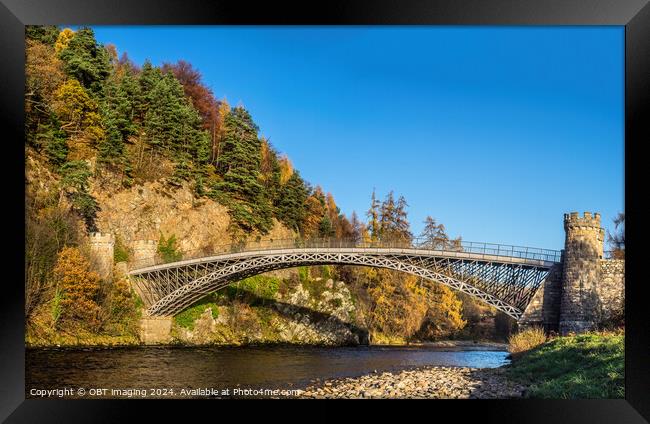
(505, 283)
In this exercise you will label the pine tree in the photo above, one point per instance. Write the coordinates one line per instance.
(291, 207)
(373, 215)
(86, 60)
(46, 34)
(117, 111)
(74, 183)
(239, 165)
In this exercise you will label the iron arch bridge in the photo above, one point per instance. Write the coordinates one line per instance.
(505, 277)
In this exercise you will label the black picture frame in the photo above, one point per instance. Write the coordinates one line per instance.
(634, 15)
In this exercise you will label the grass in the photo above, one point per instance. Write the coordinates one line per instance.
(586, 366)
(259, 289)
(187, 317)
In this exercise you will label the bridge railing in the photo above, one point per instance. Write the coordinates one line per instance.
(491, 249)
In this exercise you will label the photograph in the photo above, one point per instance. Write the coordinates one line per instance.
(324, 212)
(422, 203)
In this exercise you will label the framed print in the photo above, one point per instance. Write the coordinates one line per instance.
(358, 201)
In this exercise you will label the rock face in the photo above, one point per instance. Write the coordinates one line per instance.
(143, 212)
(427, 382)
(298, 316)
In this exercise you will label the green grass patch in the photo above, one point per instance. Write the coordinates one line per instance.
(315, 288)
(187, 317)
(259, 289)
(585, 366)
(303, 274)
(120, 251)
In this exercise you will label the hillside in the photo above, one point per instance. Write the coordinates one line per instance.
(147, 152)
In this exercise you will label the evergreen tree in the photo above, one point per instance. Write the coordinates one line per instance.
(86, 60)
(240, 167)
(325, 229)
(147, 79)
(117, 111)
(74, 182)
(54, 142)
(291, 206)
(373, 215)
(46, 34)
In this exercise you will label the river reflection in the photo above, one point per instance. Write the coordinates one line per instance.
(281, 367)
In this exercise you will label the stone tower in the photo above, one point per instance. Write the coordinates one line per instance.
(102, 246)
(583, 252)
(144, 252)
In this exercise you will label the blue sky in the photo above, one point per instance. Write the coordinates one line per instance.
(494, 131)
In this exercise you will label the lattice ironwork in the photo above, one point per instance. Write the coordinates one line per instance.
(506, 282)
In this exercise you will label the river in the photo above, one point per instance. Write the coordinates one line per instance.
(173, 371)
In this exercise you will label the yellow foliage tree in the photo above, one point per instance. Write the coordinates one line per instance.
(43, 72)
(79, 288)
(315, 212)
(444, 316)
(286, 169)
(64, 39)
(397, 303)
(78, 112)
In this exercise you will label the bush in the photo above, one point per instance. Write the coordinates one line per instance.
(526, 340)
(168, 250)
(120, 252)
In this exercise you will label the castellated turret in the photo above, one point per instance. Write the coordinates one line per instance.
(102, 246)
(583, 249)
(144, 252)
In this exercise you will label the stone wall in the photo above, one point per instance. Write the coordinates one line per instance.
(593, 288)
(155, 330)
(544, 308)
(611, 289)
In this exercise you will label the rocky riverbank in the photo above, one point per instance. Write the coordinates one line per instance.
(426, 382)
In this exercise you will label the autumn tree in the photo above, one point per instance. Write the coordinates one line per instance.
(444, 316)
(63, 39)
(617, 240)
(79, 115)
(79, 288)
(314, 213)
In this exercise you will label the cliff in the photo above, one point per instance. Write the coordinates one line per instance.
(304, 310)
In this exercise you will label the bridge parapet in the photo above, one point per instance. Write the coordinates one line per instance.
(145, 250)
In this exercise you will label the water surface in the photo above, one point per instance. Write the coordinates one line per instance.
(279, 367)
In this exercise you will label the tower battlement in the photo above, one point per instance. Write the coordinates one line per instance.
(97, 238)
(573, 220)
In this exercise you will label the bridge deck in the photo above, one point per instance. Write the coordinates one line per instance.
(537, 263)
